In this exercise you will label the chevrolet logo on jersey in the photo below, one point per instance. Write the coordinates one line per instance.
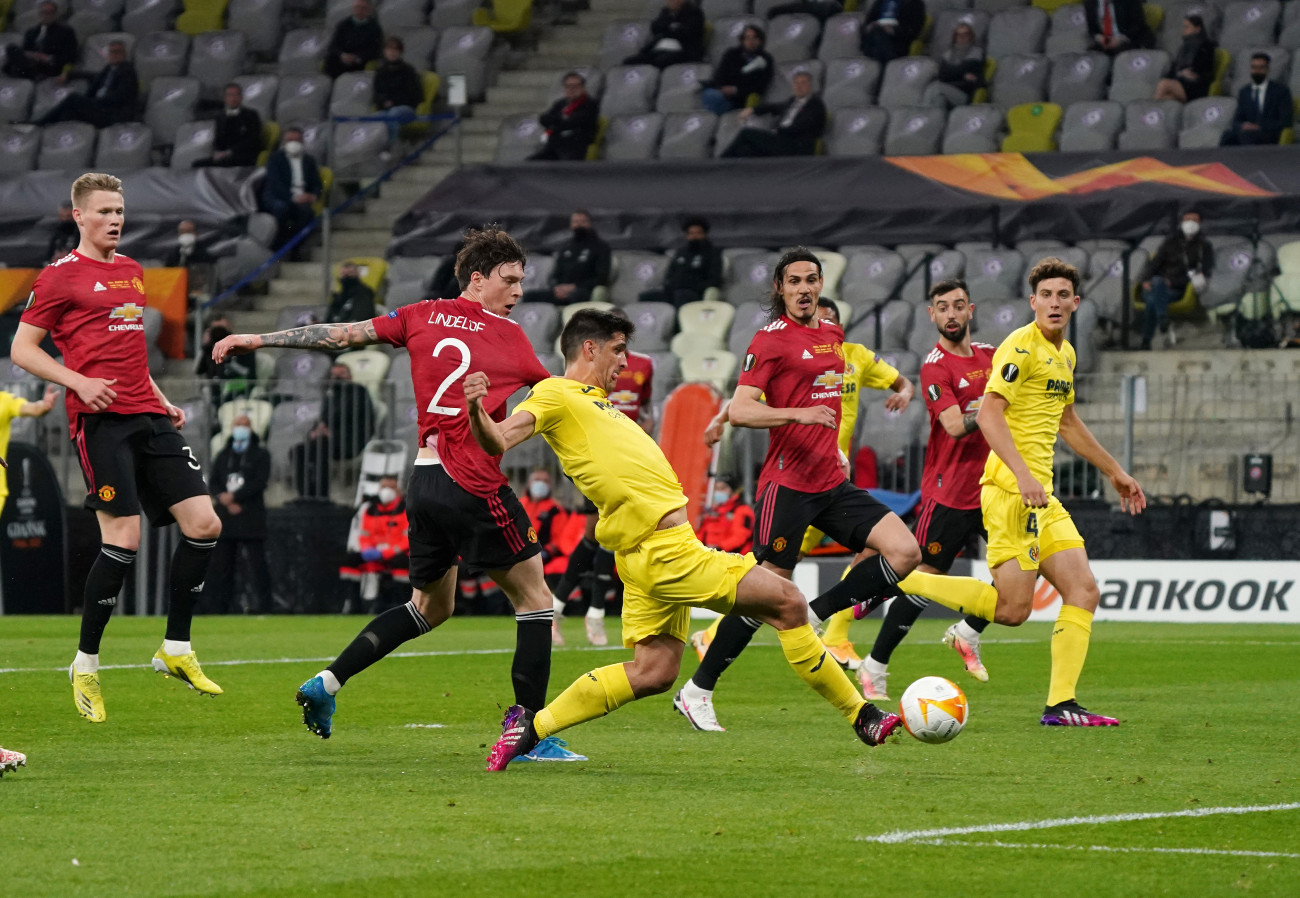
(130, 313)
(829, 379)
(623, 396)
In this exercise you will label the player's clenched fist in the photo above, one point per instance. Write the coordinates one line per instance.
(816, 416)
(235, 344)
(476, 387)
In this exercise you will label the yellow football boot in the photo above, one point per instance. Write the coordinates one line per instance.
(186, 669)
(87, 697)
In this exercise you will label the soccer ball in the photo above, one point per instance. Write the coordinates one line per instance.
(933, 709)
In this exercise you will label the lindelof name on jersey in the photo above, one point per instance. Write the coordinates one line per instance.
(459, 322)
(831, 381)
(130, 315)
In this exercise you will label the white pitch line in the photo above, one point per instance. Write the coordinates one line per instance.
(1110, 848)
(919, 834)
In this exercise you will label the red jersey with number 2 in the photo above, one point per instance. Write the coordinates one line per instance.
(953, 467)
(631, 391)
(799, 367)
(448, 339)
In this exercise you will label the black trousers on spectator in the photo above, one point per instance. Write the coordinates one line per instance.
(293, 217)
(310, 461)
(229, 559)
(83, 108)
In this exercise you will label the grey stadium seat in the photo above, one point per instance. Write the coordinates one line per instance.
(15, 99)
(1135, 74)
(518, 138)
(297, 316)
(290, 423)
(850, 82)
(1171, 29)
(144, 16)
(1068, 32)
(18, 149)
(750, 317)
(302, 98)
(729, 126)
(620, 40)
(913, 252)
(1091, 126)
(49, 93)
(1205, 120)
(633, 137)
(193, 141)
(687, 135)
(679, 86)
(791, 38)
(725, 34)
(629, 90)
(871, 275)
(1020, 79)
(637, 272)
(895, 324)
(996, 319)
(161, 54)
(124, 146)
(67, 145)
(1019, 30)
(1279, 65)
(395, 16)
(947, 264)
(261, 22)
(352, 94)
(841, 36)
(540, 322)
(1035, 252)
(421, 47)
(86, 24)
(716, 9)
(782, 88)
(1078, 77)
(302, 51)
(465, 50)
(750, 278)
(905, 81)
(94, 51)
(452, 13)
(216, 57)
(655, 323)
(356, 147)
(171, 103)
(1232, 261)
(973, 129)
(1084, 325)
(259, 94)
(995, 273)
(914, 131)
(538, 271)
(1249, 23)
(946, 22)
(1104, 283)
(857, 131)
(1150, 125)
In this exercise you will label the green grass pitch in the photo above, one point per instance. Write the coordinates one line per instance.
(179, 794)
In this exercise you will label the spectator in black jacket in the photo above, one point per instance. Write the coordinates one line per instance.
(111, 98)
(233, 378)
(743, 71)
(821, 10)
(695, 267)
(238, 140)
(291, 186)
(1192, 68)
(961, 71)
(240, 474)
(581, 266)
(1184, 257)
(66, 236)
(346, 424)
(353, 301)
(398, 88)
(570, 123)
(443, 284)
(891, 27)
(802, 122)
(676, 35)
(357, 41)
(47, 47)
(1263, 108)
(1117, 25)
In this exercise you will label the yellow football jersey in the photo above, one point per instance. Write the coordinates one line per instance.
(863, 370)
(1037, 380)
(10, 407)
(616, 464)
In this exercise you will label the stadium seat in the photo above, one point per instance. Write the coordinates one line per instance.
(871, 275)
(907, 362)
(679, 87)
(946, 264)
(629, 90)
(125, 146)
(87, 22)
(715, 367)
(143, 16)
(540, 322)
(301, 373)
(750, 278)
(1232, 273)
(1036, 251)
(352, 93)
(947, 20)
(632, 137)
(750, 317)
(302, 98)
(291, 422)
(261, 22)
(298, 316)
(1249, 23)
(841, 36)
(1068, 32)
(1204, 122)
(1104, 282)
(905, 80)
(687, 135)
(1136, 73)
(1171, 30)
(1020, 79)
(421, 45)
(508, 17)
(857, 131)
(94, 50)
(716, 9)
(356, 147)
(171, 102)
(368, 367)
(66, 145)
(995, 319)
(620, 40)
(18, 149)
(850, 82)
(667, 374)
(1079, 77)
(452, 13)
(1278, 67)
(914, 131)
(260, 93)
(572, 308)
(995, 273)
(895, 324)
(538, 271)
(707, 318)
(655, 323)
(192, 142)
(518, 138)
(729, 126)
(637, 272)
(893, 436)
(914, 252)
(302, 52)
(595, 83)
(1020, 29)
(1150, 125)
(215, 59)
(782, 86)
(791, 38)
(466, 51)
(1032, 128)
(161, 54)
(1091, 126)
(725, 34)
(258, 412)
(973, 129)
(15, 99)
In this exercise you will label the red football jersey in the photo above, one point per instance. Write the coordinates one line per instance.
(94, 311)
(799, 367)
(953, 467)
(447, 339)
(631, 391)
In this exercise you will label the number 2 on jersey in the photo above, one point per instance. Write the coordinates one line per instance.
(459, 346)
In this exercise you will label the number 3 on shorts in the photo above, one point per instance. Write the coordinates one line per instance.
(193, 462)
(1031, 523)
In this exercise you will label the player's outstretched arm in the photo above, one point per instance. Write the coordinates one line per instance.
(997, 433)
(713, 433)
(747, 409)
(494, 438)
(96, 392)
(313, 336)
(42, 406)
(903, 391)
(1079, 438)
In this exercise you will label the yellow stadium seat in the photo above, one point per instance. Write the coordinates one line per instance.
(1051, 6)
(1183, 308)
(981, 94)
(593, 151)
(372, 270)
(1154, 16)
(1222, 59)
(506, 16)
(327, 183)
(1033, 128)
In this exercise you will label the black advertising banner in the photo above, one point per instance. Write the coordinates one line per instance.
(33, 544)
(826, 201)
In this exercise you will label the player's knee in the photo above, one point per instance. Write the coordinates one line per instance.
(431, 607)
(656, 678)
(904, 559)
(1012, 615)
(206, 528)
(792, 608)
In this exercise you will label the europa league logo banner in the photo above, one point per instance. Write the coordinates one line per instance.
(33, 547)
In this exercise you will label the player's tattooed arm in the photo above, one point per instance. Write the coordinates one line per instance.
(313, 336)
(970, 421)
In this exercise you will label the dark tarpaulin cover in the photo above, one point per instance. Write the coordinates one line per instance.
(874, 200)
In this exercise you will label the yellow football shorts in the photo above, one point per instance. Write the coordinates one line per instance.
(1029, 535)
(667, 574)
(812, 538)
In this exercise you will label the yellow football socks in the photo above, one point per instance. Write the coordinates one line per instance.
(965, 595)
(592, 695)
(837, 628)
(1070, 638)
(818, 669)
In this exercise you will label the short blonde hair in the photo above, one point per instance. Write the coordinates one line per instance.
(88, 183)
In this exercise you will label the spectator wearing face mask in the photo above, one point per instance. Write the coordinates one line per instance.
(187, 253)
(728, 523)
(240, 474)
(353, 301)
(291, 186)
(548, 516)
(695, 267)
(581, 265)
(235, 376)
(379, 547)
(1185, 257)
